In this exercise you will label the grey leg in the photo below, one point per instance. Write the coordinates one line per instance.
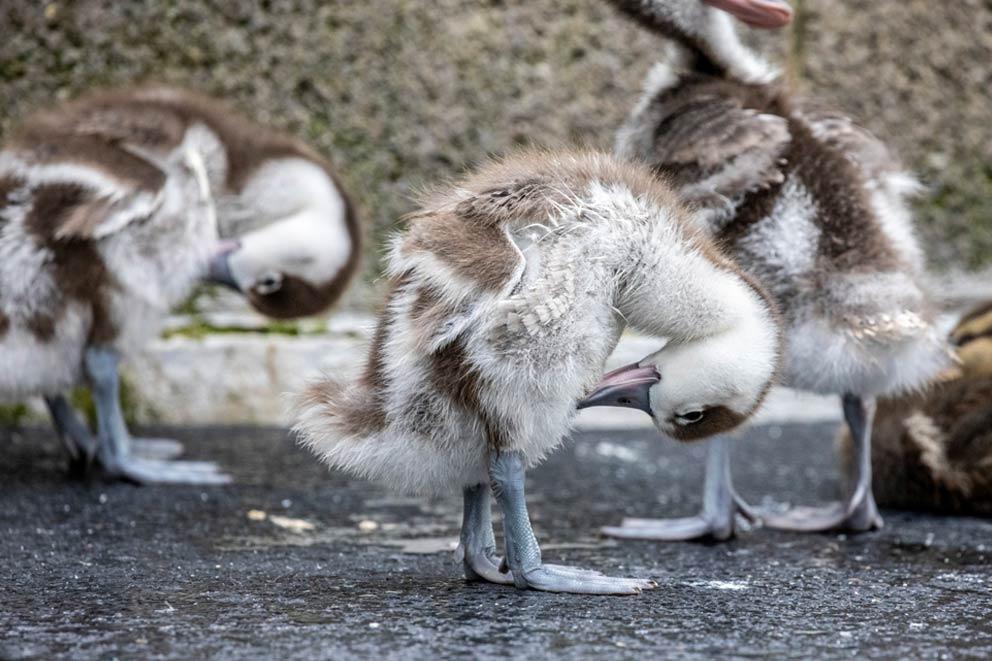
(478, 545)
(523, 555)
(721, 504)
(859, 513)
(477, 541)
(73, 433)
(113, 448)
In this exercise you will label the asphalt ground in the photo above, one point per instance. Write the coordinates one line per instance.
(292, 561)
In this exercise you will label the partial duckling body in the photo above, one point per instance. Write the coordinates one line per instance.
(932, 450)
(510, 290)
(806, 202)
(113, 207)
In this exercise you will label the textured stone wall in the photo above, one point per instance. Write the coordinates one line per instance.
(401, 93)
(919, 74)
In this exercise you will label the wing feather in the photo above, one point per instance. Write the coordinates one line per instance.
(463, 254)
(711, 145)
(121, 155)
(840, 132)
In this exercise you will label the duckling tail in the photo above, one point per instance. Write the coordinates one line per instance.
(331, 416)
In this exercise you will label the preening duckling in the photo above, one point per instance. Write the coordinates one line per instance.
(112, 207)
(509, 291)
(810, 205)
(932, 450)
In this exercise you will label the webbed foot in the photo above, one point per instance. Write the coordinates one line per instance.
(717, 521)
(138, 470)
(557, 578)
(523, 564)
(156, 448)
(840, 517)
(859, 513)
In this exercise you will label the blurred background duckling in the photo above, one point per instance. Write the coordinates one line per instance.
(112, 207)
(933, 449)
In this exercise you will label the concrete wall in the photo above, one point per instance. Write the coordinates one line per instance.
(401, 93)
(917, 72)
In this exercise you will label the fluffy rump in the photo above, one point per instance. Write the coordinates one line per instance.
(859, 365)
(30, 366)
(345, 427)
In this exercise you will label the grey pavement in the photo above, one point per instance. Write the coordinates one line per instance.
(292, 561)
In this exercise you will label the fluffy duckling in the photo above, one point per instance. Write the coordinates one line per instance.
(810, 205)
(112, 207)
(972, 341)
(509, 291)
(932, 450)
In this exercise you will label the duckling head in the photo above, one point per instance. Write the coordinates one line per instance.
(282, 275)
(698, 388)
(298, 263)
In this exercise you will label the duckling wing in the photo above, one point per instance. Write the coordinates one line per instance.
(83, 212)
(711, 147)
(99, 185)
(94, 216)
(70, 202)
(859, 145)
(460, 264)
(131, 155)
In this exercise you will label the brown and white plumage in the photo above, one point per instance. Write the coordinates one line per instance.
(803, 199)
(509, 291)
(92, 254)
(114, 205)
(807, 201)
(272, 193)
(111, 206)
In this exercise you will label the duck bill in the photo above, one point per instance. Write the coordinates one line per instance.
(219, 267)
(627, 387)
(756, 13)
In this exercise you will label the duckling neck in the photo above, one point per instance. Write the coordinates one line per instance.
(686, 292)
(705, 39)
(282, 189)
(718, 49)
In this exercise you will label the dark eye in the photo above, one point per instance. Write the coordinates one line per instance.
(964, 339)
(691, 417)
(268, 283)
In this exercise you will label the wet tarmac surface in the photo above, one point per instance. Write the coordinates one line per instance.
(293, 562)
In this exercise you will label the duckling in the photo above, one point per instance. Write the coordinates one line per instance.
(933, 449)
(809, 204)
(112, 207)
(972, 341)
(509, 291)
